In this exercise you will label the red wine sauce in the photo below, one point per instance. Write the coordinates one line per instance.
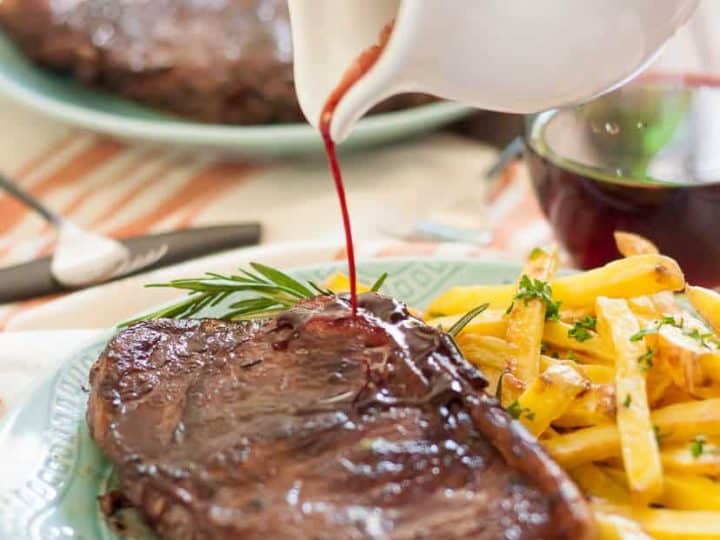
(355, 71)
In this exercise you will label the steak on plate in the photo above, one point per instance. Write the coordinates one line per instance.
(318, 425)
(222, 61)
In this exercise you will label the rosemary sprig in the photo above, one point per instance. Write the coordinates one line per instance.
(272, 291)
(463, 321)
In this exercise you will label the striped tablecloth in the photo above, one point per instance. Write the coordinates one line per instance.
(124, 189)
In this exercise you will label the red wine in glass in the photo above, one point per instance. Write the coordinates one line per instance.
(643, 159)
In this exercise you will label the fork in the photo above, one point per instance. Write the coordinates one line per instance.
(82, 257)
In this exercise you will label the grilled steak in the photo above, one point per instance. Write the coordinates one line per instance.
(218, 61)
(318, 425)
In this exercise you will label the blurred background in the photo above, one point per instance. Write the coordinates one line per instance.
(132, 119)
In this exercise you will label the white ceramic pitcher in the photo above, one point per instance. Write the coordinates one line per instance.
(517, 56)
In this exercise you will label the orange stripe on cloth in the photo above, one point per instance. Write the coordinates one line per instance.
(507, 177)
(128, 170)
(137, 191)
(76, 203)
(49, 153)
(81, 165)
(222, 181)
(215, 177)
(17, 309)
(525, 212)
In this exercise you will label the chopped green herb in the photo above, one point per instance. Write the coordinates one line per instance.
(543, 347)
(646, 359)
(655, 327)
(510, 308)
(379, 282)
(498, 390)
(581, 328)
(700, 337)
(628, 401)
(516, 411)
(697, 446)
(658, 435)
(536, 289)
(571, 356)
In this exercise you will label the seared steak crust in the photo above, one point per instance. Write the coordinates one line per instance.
(318, 425)
(222, 61)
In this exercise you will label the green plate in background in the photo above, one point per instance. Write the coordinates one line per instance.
(52, 473)
(63, 98)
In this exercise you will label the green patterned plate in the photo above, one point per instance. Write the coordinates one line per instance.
(66, 100)
(51, 471)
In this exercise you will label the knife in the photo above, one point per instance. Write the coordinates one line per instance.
(32, 279)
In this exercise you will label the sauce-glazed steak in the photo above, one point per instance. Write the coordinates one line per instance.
(226, 61)
(318, 425)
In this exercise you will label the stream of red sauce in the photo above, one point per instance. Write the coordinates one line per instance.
(360, 66)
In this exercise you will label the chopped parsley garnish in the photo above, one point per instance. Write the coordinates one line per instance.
(658, 436)
(628, 401)
(646, 359)
(700, 337)
(571, 356)
(543, 347)
(516, 411)
(697, 446)
(537, 289)
(655, 327)
(582, 327)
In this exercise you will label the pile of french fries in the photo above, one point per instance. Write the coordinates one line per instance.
(617, 379)
(619, 382)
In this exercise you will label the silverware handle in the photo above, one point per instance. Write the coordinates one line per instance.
(30, 201)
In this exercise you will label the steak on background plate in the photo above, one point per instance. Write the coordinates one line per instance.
(317, 425)
(221, 61)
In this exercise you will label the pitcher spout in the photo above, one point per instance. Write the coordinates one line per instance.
(328, 38)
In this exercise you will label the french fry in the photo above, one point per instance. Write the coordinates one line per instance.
(585, 445)
(658, 382)
(556, 334)
(340, 283)
(624, 278)
(617, 324)
(526, 320)
(595, 481)
(491, 322)
(485, 350)
(618, 527)
(594, 407)
(707, 303)
(460, 300)
(634, 276)
(679, 354)
(689, 492)
(663, 524)
(679, 458)
(595, 373)
(549, 395)
(629, 244)
(680, 422)
(680, 491)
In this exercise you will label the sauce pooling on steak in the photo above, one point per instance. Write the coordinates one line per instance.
(318, 424)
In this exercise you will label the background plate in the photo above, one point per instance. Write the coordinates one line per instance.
(52, 472)
(63, 98)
